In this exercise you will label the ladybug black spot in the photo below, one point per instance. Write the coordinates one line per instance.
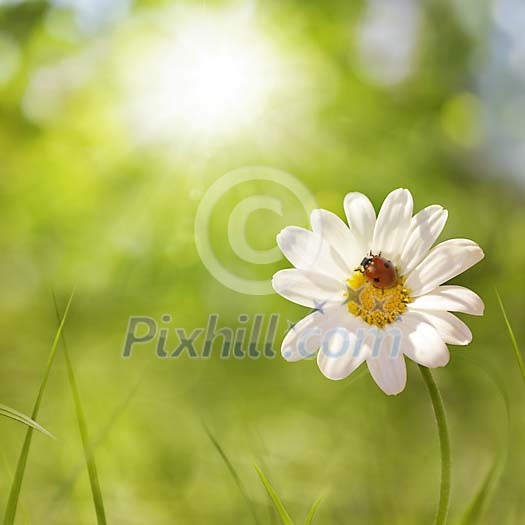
(387, 265)
(376, 279)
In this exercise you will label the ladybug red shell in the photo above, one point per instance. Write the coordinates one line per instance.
(379, 271)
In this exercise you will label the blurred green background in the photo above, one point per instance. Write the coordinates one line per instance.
(109, 138)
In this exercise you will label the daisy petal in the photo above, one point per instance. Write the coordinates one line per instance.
(308, 251)
(308, 288)
(450, 298)
(340, 352)
(421, 341)
(304, 337)
(442, 263)
(388, 369)
(451, 329)
(424, 229)
(392, 224)
(334, 231)
(361, 218)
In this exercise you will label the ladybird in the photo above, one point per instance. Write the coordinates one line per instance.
(379, 271)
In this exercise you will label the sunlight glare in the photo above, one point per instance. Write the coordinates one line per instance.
(210, 75)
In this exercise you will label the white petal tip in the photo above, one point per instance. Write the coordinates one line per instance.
(280, 238)
(333, 377)
(404, 191)
(474, 247)
(460, 342)
(393, 392)
(481, 309)
(287, 355)
(439, 361)
(283, 235)
(277, 280)
(478, 250)
(439, 365)
(478, 306)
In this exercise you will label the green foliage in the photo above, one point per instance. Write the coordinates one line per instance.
(16, 486)
(82, 426)
(88, 198)
(311, 513)
(13, 414)
(279, 507)
(233, 472)
(513, 340)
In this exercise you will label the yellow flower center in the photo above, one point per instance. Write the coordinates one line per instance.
(376, 306)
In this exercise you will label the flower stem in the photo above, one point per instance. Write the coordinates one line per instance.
(444, 444)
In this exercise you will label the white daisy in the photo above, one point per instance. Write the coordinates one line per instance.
(376, 287)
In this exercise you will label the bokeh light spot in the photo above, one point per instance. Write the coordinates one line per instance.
(207, 73)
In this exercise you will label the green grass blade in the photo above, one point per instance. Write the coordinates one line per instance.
(313, 510)
(512, 337)
(475, 511)
(281, 511)
(232, 471)
(84, 435)
(16, 486)
(63, 492)
(23, 511)
(11, 413)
